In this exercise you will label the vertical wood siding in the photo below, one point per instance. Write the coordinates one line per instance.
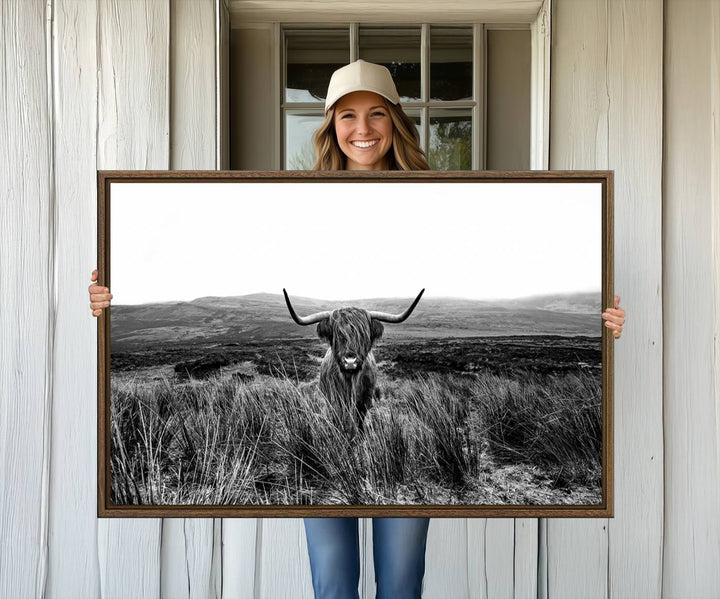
(450, 557)
(26, 297)
(606, 112)
(73, 552)
(134, 85)
(282, 567)
(132, 134)
(690, 206)
(635, 535)
(577, 550)
(187, 544)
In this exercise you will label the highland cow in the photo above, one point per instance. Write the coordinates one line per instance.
(348, 372)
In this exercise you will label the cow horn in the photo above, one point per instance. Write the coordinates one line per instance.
(305, 320)
(396, 318)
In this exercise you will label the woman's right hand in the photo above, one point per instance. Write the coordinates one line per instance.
(99, 296)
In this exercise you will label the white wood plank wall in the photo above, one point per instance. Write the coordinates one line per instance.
(691, 202)
(133, 132)
(27, 302)
(606, 112)
(73, 540)
(189, 566)
(635, 87)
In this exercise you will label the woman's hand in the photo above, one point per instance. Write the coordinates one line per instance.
(615, 318)
(99, 296)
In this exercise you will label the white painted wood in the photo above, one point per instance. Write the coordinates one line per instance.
(525, 574)
(367, 562)
(542, 571)
(476, 563)
(186, 558)
(133, 118)
(193, 91)
(635, 119)
(499, 556)
(489, 572)
(398, 11)
(691, 308)
(577, 550)
(133, 131)
(129, 558)
(577, 558)
(187, 544)
(240, 559)
(283, 566)
(478, 111)
(26, 298)
(277, 125)
(540, 88)
(715, 194)
(222, 63)
(216, 563)
(447, 559)
(73, 558)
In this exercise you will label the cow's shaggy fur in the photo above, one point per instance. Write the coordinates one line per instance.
(348, 373)
(351, 333)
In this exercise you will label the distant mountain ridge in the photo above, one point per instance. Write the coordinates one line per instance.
(261, 316)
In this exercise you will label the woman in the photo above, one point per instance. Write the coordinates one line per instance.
(365, 129)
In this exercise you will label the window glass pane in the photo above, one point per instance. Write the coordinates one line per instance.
(398, 50)
(450, 139)
(451, 55)
(311, 58)
(299, 149)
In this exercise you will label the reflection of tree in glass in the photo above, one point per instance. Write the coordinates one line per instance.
(407, 78)
(450, 145)
(451, 81)
(304, 159)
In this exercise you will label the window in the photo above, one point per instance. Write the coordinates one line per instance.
(468, 88)
(434, 68)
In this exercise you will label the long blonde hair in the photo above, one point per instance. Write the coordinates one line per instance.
(405, 153)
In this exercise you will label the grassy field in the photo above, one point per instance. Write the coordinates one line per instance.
(481, 436)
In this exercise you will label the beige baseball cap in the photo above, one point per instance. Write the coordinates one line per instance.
(361, 76)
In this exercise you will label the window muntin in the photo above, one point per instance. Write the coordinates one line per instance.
(435, 68)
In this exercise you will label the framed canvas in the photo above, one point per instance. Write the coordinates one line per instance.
(355, 344)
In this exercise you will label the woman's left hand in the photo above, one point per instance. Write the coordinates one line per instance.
(615, 318)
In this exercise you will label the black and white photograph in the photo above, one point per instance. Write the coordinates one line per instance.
(364, 343)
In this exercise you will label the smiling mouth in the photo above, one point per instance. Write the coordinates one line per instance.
(364, 144)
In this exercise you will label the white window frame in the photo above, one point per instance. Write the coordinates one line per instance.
(539, 25)
(475, 106)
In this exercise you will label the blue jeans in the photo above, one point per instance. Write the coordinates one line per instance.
(398, 552)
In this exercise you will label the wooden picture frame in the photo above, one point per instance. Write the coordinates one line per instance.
(489, 399)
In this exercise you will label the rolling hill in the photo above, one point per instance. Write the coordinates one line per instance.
(264, 316)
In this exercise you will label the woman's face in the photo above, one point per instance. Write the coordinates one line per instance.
(364, 130)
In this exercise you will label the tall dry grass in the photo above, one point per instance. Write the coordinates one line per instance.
(430, 439)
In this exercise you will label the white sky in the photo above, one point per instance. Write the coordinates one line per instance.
(180, 241)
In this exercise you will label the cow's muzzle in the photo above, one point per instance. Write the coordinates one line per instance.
(350, 362)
